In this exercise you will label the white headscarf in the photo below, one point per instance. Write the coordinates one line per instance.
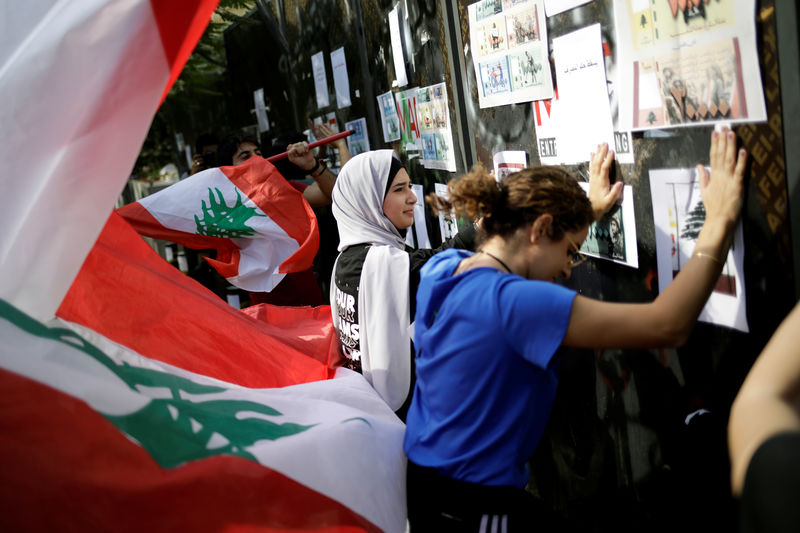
(383, 306)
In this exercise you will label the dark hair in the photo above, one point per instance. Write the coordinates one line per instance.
(205, 139)
(288, 170)
(228, 147)
(521, 198)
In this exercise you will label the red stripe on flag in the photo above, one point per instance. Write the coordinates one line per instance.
(181, 23)
(67, 468)
(128, 293)
(228, 255)
(284, 204)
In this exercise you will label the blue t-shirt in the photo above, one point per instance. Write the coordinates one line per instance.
(486, 378)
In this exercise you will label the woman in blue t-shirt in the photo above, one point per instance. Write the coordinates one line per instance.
(489, 323)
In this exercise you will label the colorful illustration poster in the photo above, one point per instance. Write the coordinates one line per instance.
(320, 80)
(688, 63)
(437, 137)
(508, 40)
(584, 116)
(341, 81)
(448, 224)
(613, 237)
(508, 162)
(389, 119)
(358, 141)
(410, 134)
(678, 213)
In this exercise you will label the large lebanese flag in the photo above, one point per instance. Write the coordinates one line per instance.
(261, 227)
(80, 82)
(151, 403)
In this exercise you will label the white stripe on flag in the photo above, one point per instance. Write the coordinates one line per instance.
(79, 82)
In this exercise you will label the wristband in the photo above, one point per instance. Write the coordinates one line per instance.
(311, 171)
(324, 166)
(709, 256)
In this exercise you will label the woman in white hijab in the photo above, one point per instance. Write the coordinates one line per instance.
(375, 277)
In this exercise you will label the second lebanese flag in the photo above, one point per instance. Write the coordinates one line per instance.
(261, 227)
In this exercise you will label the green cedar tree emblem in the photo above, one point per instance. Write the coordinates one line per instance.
(174, 429)
(221, 220)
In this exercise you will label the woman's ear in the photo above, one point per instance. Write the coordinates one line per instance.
(541, 227)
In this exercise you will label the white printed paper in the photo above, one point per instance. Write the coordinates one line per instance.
(678, 214)
(584, 115)
(261, 110)
(341, 81)
(358, 141)
(390, 122)
(688, 63)
(320, 80)
(447, 221)
(508, 162)
(436, 133)
(419, 228)
(397, 47)
(509, 51)
(613, 237)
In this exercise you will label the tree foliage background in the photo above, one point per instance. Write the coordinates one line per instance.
(196, 104)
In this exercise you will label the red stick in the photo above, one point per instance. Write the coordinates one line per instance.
(320, 142)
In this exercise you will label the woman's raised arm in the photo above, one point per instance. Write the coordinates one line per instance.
(668, 320)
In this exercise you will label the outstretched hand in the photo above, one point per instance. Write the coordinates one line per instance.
(722, 190)
(602, 194)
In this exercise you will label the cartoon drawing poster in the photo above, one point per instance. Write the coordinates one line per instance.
(509, 50)
(437, 137)
(688, 63)
(678, 213)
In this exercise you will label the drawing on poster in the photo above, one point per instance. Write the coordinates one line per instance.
(663, 21)
(494, 77)
(613, 237)
(491, 38)
(488, 8)
(679, 213)
(428, 146)
(409, 120)
(688, 63)
(389, 119)
(704, 87)
(357, 142)
(522, 27)
(526, 70)
(510, 43)
(508, 4)
(437, 138)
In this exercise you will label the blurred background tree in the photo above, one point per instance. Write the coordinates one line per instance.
(196, 103)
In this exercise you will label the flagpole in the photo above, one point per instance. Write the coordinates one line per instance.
(320, 142)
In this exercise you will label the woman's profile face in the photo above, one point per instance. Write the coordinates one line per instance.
(554, 257)
(398, 205)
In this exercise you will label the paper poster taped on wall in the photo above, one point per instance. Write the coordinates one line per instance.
(688, 63)
(509, 46)
(679, 213)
